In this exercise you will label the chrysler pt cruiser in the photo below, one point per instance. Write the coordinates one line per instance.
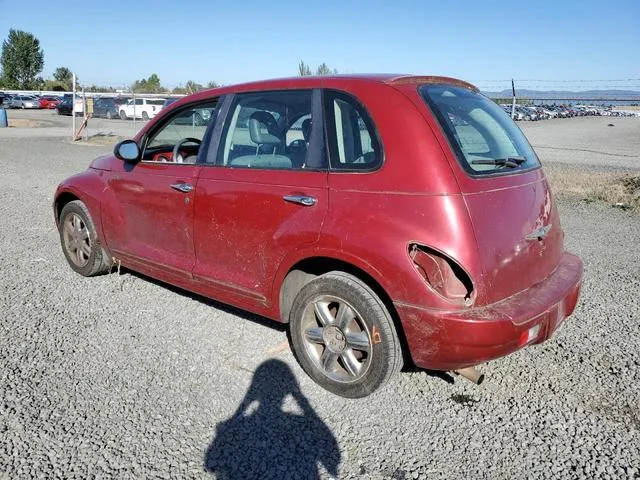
(386, 219)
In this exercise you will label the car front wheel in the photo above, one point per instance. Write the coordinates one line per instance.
(145, 116)
(123, 116)
(79, 241)
(343, 336)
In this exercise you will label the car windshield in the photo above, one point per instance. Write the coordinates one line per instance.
(483, 136)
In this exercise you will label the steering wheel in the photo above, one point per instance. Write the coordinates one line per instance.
(176, 149)
(298, 144)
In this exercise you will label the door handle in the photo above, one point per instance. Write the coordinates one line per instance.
(182, 187)
(301, 200)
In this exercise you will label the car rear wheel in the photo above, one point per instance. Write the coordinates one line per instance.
(123, 116)
(79, 241)
(145, 116)
(343, 336)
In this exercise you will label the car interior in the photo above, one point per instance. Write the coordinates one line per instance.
(268, 130)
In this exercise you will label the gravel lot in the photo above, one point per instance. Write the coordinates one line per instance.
(120, 376)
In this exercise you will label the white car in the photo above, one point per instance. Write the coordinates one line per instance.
(24, 101)
(144, 108)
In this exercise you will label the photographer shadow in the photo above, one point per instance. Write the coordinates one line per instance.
(261, 440)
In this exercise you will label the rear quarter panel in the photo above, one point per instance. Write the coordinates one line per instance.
(412, 198)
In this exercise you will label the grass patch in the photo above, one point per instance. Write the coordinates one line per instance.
(100, 139)
(615, 188)
(24, 123)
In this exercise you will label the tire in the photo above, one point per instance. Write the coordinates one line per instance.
(343, 336)
(79, 241)
(145, 116)
(123, 116)
(109, 116)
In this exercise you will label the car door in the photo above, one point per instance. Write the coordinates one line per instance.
(261, 194)
(152, 223)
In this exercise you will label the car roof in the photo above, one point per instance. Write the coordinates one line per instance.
(327, 81)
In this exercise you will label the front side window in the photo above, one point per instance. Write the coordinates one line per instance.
(187, 127)
(270, 130)
(353, 142)
(481, 134)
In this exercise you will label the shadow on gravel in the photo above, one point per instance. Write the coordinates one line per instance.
(207, 301)
(407, 368)
(261, 440)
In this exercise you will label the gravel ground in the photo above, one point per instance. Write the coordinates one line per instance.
(120, 376)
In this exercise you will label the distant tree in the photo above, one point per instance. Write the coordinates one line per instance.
(65, 76)
(323, 69)
(212, 84)
(303, 69)
(192, 87)
(149, 85)
(55, 86)
(98, 88)
(22, 60)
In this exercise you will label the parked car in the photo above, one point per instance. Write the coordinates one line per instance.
(65, 107)
(168, 102)
(49, 102)
(144, 108)
(383, 218)
(24, 101)
(105, 107)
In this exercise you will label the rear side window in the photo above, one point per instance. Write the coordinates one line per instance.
(481, 134)
(353, 142)
(270, 130)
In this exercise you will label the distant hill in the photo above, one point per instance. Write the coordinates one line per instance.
(567, 95)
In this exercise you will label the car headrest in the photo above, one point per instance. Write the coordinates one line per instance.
(306, 129)
(263, 129)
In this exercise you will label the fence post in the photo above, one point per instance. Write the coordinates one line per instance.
(134, 111)
(73, 109)
(513, 101)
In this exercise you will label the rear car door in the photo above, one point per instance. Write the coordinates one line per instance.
(262, 193)
(152, 223)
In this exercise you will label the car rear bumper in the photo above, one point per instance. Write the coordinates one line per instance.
(456, 339)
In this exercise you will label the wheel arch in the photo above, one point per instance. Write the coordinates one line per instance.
(61, 200)
(309, 268)
(66, 194)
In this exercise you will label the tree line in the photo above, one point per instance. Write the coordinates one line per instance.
(22, 62)
(323, 69)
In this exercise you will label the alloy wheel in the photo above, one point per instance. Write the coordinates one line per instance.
(336, 338)
(77, 240)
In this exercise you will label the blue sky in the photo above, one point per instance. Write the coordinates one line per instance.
(569, 44)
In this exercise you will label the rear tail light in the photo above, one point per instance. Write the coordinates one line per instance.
(443, 274)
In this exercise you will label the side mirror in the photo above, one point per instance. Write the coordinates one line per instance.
(127, 150)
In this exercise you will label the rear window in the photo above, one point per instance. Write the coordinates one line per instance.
(482, 135)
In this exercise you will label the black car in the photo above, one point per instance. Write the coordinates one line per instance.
(105, 107)
(65, 107)
(6, 100)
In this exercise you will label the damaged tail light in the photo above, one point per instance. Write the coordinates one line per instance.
(443, 274)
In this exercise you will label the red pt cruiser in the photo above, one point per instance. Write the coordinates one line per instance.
(386, 219)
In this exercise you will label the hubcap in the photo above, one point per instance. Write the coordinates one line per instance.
(336, 338)
(76, 239)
